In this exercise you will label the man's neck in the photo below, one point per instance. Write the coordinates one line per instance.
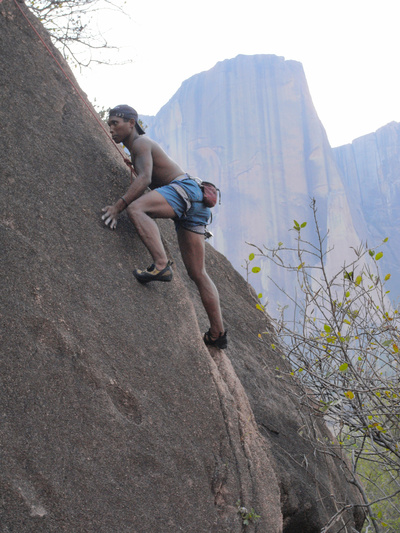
(128, 142)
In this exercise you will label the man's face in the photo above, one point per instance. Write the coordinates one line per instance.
(119, 129)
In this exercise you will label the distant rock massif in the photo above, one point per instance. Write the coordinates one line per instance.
(370, 167)
(115, 417)
(249, 124)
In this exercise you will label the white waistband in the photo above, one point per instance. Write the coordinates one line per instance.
(186, 177)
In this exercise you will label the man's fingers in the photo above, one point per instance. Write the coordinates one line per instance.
(109, 219)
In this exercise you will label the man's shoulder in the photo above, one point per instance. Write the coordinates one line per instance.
(143, 142)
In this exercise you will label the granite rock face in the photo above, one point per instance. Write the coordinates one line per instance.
(114, 415)
(249, 125)
(370, 167)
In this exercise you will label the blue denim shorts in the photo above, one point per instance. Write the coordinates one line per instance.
(186, 199)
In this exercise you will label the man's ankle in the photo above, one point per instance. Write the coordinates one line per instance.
(216, 335)
(160, 266)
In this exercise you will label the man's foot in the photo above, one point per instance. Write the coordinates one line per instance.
(220, 342)
(152, 274)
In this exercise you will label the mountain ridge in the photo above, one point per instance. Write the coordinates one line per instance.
(249, 125)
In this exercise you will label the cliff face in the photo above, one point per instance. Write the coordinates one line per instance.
(249, 124)
(115, 416)
(370, 167)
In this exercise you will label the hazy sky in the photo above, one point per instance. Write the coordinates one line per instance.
(349, 49)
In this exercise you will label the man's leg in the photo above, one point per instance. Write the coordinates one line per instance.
(142, 212)
(192, 248)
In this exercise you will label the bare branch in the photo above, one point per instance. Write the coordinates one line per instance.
(71, 28)
(343, 347)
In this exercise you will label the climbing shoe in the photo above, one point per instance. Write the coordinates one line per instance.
(152, 274)
(220, 342)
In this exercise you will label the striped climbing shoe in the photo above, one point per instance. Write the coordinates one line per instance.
(152, 274)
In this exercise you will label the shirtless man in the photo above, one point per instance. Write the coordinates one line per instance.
(174, 195)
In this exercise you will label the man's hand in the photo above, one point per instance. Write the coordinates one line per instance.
(110, 216)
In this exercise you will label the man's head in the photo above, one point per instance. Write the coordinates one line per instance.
(126, 113)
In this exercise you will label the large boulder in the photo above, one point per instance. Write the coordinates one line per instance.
(114, 415)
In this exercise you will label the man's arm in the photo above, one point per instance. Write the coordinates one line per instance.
(143, 159)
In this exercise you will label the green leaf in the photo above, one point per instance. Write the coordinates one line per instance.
(387, 277)
(358, 280)
(259, 296)
(280, 243)
(386, 240)
(260, 307)
(304, 225)
(371, 253)
(378, 256)
(327, 328)
(251, 257)
(296, 225)
(255, 270)
(343, 367)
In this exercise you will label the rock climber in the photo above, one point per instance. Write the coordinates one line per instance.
(174, 194)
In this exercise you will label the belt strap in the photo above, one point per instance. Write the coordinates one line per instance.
(187, 176)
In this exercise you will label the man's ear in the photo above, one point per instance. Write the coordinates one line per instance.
(132, 122)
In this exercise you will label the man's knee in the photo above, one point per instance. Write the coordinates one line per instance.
(198, 275)
(133, 210)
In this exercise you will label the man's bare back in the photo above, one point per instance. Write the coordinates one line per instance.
(164, 169)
